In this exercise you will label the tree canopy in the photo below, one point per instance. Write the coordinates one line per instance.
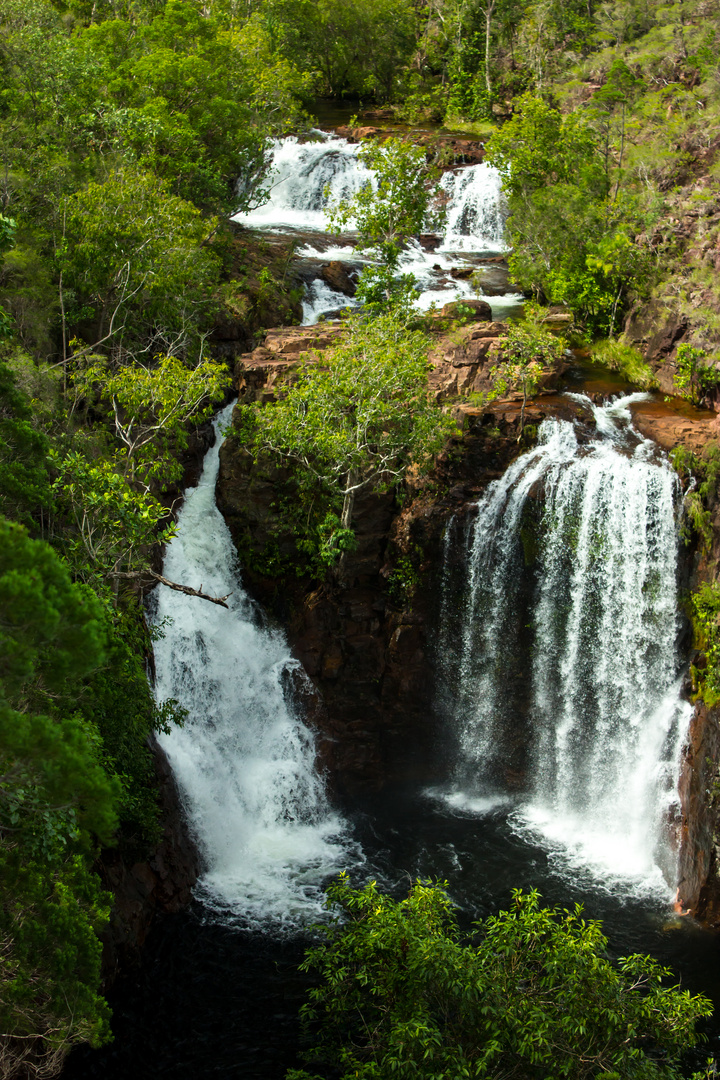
(356, 417)
(531, 993)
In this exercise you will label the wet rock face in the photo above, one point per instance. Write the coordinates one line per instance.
(335, 274)
(699, 840)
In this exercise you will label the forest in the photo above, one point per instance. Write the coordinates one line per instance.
(129, 133)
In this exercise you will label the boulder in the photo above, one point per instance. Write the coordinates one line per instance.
(468, 310)
(335, 275)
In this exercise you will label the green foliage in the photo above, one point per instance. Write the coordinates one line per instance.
(353, 421)
(405, 577)
(701, 475)
(705, 608)
(531, 994)
(55, 802)
(136, 264)
(24, 481)
(572, 241)
(151, 408)
(626, 360)
(530, 351)
(692, 377)
(401, 205)
(346, 46)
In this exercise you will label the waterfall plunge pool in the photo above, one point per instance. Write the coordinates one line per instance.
(218, 993)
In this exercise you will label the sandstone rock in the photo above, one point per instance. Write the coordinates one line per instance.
(335, 275)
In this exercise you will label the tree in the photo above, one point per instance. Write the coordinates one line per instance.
(401, 204)
(109, 499)
(530, 994)
(137, 272)
(572, 243)
(56, 802)
(349, 46)
(151, 408)
(529, 352)
(357, 417)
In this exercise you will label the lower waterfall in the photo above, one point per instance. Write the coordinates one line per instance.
(558, 650)
(244, 761)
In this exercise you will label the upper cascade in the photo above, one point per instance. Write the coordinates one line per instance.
(558, 651)
(305, 176)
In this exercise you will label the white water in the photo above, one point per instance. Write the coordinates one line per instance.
(244, 761)
(582, 641)
(306, 177)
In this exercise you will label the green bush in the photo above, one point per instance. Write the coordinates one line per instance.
(530, 994)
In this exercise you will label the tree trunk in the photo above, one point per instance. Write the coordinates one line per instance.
(348, 501)
(488, 24)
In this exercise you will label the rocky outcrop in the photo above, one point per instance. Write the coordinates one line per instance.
(366, 640)
(336, 275)
(449, 150)
(699, 839)
(466, 346)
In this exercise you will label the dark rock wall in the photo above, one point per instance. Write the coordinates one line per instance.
(142, 889)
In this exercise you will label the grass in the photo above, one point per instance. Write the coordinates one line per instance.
(626, 360)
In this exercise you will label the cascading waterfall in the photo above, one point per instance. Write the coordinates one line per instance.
(244, 761)
(305, 176)
(558, 652)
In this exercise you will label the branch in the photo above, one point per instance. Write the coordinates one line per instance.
(174, 585)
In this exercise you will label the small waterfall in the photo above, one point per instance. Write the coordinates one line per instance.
(306, 176)
(558, 652)
(244, 761)
(475, 209)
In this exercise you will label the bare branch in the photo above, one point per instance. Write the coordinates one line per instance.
(175, 585)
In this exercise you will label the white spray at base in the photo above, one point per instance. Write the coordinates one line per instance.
(567, 616)
(244, 761)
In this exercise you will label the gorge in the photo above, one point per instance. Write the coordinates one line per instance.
(517, 721)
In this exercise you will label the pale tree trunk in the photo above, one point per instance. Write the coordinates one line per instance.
(346, 522)
(490, 7)
(349, 501)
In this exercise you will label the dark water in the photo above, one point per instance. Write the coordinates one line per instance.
(213, 1002)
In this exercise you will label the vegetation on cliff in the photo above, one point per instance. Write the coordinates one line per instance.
(128, 132)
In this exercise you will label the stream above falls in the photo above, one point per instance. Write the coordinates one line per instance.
(307, 174)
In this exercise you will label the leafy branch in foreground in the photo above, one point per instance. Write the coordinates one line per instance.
(108, 499)
(403, 202)
(531, 995)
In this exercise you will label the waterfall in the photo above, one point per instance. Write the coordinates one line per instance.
(244, 761)
(558, 649)
(305, 176)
